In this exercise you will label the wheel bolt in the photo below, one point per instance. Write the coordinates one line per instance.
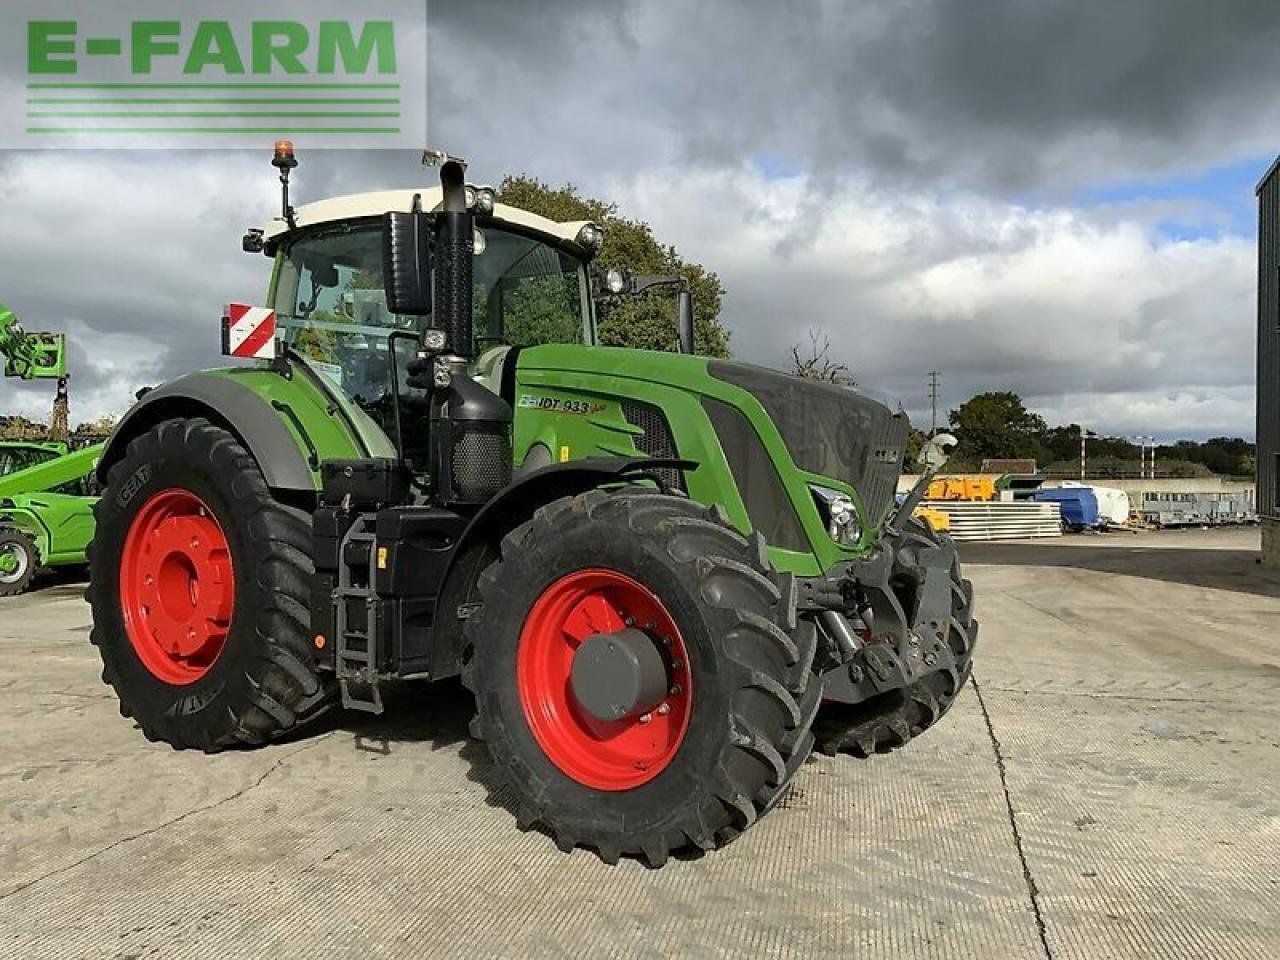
(677, 665)
(675, 689)
(630, 621)
(664, 709)
(646, 717)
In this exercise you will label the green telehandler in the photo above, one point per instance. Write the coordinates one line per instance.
(664, 578)
(46, 489)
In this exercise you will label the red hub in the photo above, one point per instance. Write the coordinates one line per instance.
(177, 587)
(605, 755)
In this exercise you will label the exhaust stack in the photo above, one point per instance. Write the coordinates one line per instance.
(455, 248)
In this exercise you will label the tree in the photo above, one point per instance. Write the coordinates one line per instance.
(647, 321)
(997, 425)
(20, 428)
(816, 362)
(100, 427)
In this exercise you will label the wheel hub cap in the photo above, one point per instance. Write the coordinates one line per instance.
(13, 563)
(176, 586)
(617, 676)
(603, 677)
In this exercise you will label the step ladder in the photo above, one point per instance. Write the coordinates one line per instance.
(358, 651)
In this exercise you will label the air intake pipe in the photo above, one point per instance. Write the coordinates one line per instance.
(470, 430)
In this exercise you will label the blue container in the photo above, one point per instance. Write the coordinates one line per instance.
(1079, 505)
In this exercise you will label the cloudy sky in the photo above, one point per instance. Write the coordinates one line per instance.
(1044, 196)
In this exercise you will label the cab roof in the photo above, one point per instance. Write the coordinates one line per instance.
(375, 204)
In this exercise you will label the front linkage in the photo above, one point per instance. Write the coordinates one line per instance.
(900, 636)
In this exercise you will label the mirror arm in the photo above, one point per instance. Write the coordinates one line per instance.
(931, 469)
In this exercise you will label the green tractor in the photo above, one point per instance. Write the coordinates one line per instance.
(46, 489)
(661, 576)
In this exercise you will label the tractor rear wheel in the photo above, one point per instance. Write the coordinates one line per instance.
(892, 720)
(199, 584)
(19, 559)
(641, 682)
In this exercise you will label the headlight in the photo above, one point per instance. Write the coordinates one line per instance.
(839, 513)
(614, 281)
(484, 201)
(591, 238)
(479, 241)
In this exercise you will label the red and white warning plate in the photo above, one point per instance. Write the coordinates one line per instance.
(249, 332)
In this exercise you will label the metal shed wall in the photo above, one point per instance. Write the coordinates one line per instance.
(1268, 339)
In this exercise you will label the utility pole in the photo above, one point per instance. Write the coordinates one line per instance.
(933, 401)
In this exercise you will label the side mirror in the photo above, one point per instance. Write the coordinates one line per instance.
(936, 451)
(406, 263)
(684, 320)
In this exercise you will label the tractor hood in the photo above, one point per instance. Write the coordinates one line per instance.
(828, 430)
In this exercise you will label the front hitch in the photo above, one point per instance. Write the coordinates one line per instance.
(886, 617)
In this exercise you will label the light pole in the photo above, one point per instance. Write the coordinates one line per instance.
(1143, 443)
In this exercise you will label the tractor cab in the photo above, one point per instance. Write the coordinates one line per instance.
(529, 279)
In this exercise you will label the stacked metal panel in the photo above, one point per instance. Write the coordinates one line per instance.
(1000, 520)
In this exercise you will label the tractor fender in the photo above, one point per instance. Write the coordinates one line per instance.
(515, 504)
(23, 517)
(532, 489)
(229, 405)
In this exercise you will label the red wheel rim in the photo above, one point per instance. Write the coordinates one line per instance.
(177, 586)
(597, 753)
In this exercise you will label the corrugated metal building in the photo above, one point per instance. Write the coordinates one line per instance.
(1269, 362)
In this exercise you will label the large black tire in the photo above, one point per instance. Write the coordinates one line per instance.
(22, 550)
(263, 680)
(892, 720)
(753, 697)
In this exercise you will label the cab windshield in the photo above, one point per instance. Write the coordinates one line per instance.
(332, 308)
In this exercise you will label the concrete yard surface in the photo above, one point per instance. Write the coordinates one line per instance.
(1106, 788)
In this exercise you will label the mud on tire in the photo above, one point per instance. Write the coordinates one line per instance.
(262, 680)
(753, 692)
(892, 720)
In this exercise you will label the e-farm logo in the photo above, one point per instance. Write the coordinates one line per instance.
(233, 73)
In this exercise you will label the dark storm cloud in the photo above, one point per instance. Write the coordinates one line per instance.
(890, 172)
(984, 94)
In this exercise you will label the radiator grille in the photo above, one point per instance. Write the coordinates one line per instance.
(656, 441)
(830, 430)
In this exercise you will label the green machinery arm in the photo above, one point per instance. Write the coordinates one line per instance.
(52, 473)
(30, 355)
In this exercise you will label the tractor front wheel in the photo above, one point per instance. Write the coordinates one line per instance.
(199, 582)
(641, 681)
(19, 558)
